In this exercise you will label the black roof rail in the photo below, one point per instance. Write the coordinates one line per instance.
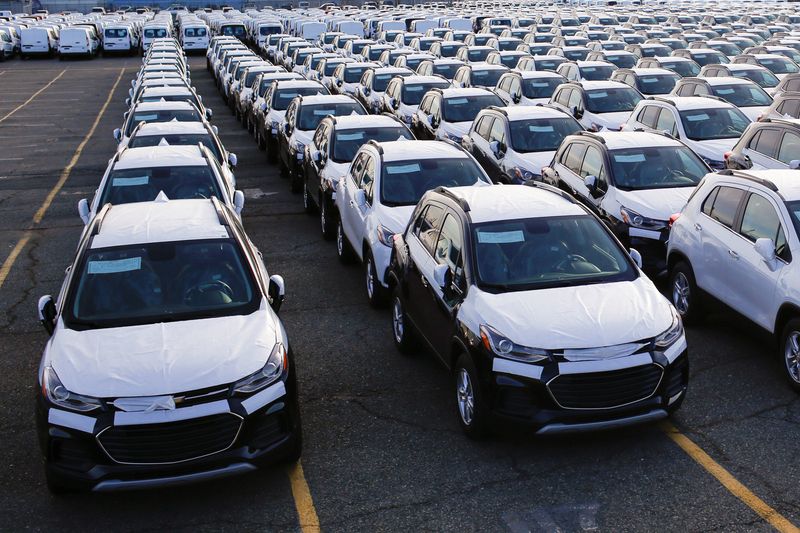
(555, 190)
(591, 135)
(378, 147)
(742, 174)
(457, 199)
(498, 109)
(662, 99)
(98, 219)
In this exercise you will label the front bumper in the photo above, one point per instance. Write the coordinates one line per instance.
(76, 455)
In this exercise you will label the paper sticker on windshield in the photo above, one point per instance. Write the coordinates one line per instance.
(539, 84)
(130, 182)
(138, 118)
(350, 136)
(725, 91)
(541, 129)
(403, 169)
(648, 80)
(457, 101)
(635, 158)
(597, 94)
(323, 112)
(500, 237)
(697, 118)
(115, 266)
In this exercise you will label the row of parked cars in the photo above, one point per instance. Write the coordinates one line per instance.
(167, 362)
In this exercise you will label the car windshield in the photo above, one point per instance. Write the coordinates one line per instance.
(713, 123)
(466, 108)
(540, 87)
(743, 95)
(541, 135)
(330, 66)
(268, 30)
(779, 65)
(486, 77)
(657, 83)
(347, 142)
(144, 184)
(612, 99)
(152, 33)
(176, 139)
(763, 77)
(236, 31)
(684, 68)
(161, 282)
(654, 167)
(194, 32)
(597, 73)
(311, 115)
(622, 61)
(169, 98)
(404, 182)
(540, 253)
(478, 55)
(188, 115)
(450, 50)
(548, 64)
(729, 49)
(283, 97)
(380, 81)
(413, 93)
(707, 58)
(353, 74)
(794, 209)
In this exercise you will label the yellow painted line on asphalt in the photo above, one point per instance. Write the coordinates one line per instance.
(5, 269)
(2, 72)
(309, 522)
(734, 486)
(34, 95)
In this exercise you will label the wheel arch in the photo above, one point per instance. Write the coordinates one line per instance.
(786, 312)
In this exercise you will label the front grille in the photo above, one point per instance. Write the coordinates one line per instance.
(171, 442)
(71, 454)
(516, 400)
(599, 390)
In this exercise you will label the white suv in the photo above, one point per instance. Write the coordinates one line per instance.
(734, 241)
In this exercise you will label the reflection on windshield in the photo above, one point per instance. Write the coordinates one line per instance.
(713, 123)
(612, 100)
(347, 142)
(466, 108)
(743, 95)
(540, 87)
(656, 168)
(657, 84)
(413, 93)
(144, 184)
(404, 182)
(283, 97)
(312, 115)
(541, 135)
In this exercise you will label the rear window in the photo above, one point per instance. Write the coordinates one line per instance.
(194, 32)
(116, 33)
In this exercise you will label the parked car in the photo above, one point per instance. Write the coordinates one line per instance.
(772, 143)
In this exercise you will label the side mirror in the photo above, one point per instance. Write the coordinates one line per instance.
(516, 97)
(118, 135)
(130, 93)
(263, 106)
(443, 276)
(339, 82)
(361, 198)
(590, 182)
(367, 91)
(83, 210)
(395, 103)
(794, 164)
(209, 113)
(238, 202)
(498, 149)
(47, 313)
(215, 130)
(636, 256)
(316, 156)
(277, 292)
(766, 249)
(128, 102)
(286, 128)
(133, 83)
(577, 112)
(232, 160)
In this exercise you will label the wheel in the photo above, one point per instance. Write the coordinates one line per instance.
(403, 334)
(326, 220)
(470, 404)
(343, 248)
(685, 294)
(296, 450)
(308, 204)
(376, 293)
(790, 353)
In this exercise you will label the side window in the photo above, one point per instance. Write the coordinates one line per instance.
(425, 104)
(666, 122)
(726, 204)
(649, 115)
(761, 221)
(574, 157)
(485, 126)
(428, 226)
(766, 142)
(435, 107)
(368, 178)
(449, 247)
(505, 84)
(358, 168)
(498, 132)
(575, 100)
(515, 86)
(593, 164)
(562, 97)
(790, 148)
(700, 90)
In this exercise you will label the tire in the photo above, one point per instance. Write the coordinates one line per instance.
(789, 353)
(376, 293)
(684, 293)
(473, 417)
(343, 248)
(327, 222)
(271, 148)
(260, 142)
(295, 180)
(403, 334)
(296, 450)
(308, 203)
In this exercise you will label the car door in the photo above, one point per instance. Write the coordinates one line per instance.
(494, 158)
(345, 194)
(790, 148)
(419, 120)
(763, 148)
(568, 166)
(479, 139)
(360, 213)
(593, 164)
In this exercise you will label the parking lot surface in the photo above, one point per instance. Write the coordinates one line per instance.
(382, 449)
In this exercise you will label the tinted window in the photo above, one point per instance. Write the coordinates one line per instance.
(404, 182)
(790, 107)
(312, 115)
(761, 76)
(449, 246)
(281, 98)
(428, 225)
(766, 142)
(541, 135)
(176, 140)
(413, 93)
(540, 87)
(144, 184)
(612, 100)
(656, 167)
(656, 84)
(574, 157)
(714, 123)
(743, 95)
(463, 109)
(162, 116)
(486, 78)
(760, 221)
(684, 68)
(347, 142)
(593, 163)
(726, 203)
(649, 116)
(790, 148)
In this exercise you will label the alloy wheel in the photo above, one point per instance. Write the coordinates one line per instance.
(792, 355)
(465, 396)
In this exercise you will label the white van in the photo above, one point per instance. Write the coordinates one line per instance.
(154, 31)
(194, 37)
(119, 38)
(6, 45)
(265, 29)
(349, 27)
(311, 31)
(38, 41)
(76, 42)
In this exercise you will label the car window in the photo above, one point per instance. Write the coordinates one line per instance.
(498, 132)
(574, 157)
(649, 115)
(449, 246)
(575, 100)
(766, 141)
(666, 122)
(593, 164)
(790, 148)
(790, 107)
(761, 221)
(368, 178)
(725, 205)
(358, 168)
(428, 225)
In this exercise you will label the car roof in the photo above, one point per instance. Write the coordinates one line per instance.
(685, 103)
(151, 90)
(159, 221)
(520, 112)
(616, 140)
(349, 122)
(786, 180)
(603, 84)
(453, 92)
(408, 149)
(416, 78)
(171, 128)
(297, 83)
(726, 80)
(162, 106)
(650, 71)
(155, 156)
(528, 74)
(327, 99)
(509, 202)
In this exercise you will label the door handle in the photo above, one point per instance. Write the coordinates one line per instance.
(733, 254)
(698, 227)
(424, 280)
(352, 204)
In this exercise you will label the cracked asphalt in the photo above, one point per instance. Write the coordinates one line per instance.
(383, 450)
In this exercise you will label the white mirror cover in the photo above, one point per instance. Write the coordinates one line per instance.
(439, 275)
(636, 256)
(765, 248)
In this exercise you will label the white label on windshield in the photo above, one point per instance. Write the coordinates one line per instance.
(697, 118)
(725, 91)
(589, 69)
(115, 266)
(130, 182)
(500, 237)
(597, 94)
(457, 101)
(541, 129)
(539, 84)
(648, 80)
(403, 169)
(137, 118)
(635, 158)
(323, 112)
(350, 136)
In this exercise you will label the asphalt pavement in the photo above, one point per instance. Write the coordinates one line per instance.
(383, 450)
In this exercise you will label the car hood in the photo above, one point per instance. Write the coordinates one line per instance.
(534, 161)
(658, 204)
(713, 149)
(587, 316)
(164, 358)
(753, 112)
(395, 219)
(610, 121)
(456, 129)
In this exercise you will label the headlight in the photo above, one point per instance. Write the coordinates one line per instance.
(451, 137)
(57, 393)
(276, 365)
(632, 218)
(671, 335)
(716, 165)
(523, 175)
(385, 236)
(596, 126)
(496, 343)
(300, 147)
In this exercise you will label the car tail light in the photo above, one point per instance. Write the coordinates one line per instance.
(673, 218)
